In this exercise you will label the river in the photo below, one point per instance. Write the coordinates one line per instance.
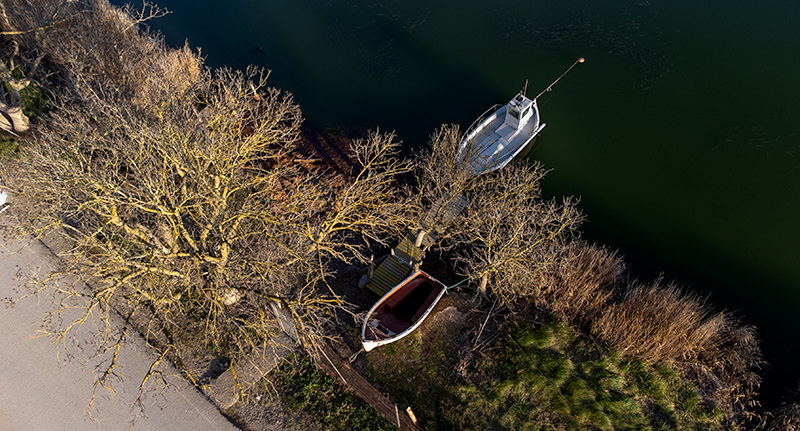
(680, 133)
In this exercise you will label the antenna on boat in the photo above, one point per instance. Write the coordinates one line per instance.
(525, 89)
(549, 87)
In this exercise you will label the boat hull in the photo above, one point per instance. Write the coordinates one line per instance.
(401, 310)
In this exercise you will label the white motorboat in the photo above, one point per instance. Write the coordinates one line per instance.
(502, 132)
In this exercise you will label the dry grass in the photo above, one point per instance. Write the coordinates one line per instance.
(659, 324)
(580, 283)
(785, 418)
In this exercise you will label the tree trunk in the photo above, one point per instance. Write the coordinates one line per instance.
(420, 237)
(13, 120)
(484, 282)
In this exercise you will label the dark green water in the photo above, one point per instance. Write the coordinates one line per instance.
(681, 132)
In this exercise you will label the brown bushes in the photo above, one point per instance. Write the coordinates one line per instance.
(580, 283)
(785, 418)
(94, 47)
(654, 323)
(726, 373)
(659, 324)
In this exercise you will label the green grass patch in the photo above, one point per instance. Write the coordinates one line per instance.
(545, 378)
(32, 100)
(305, 387)
(536, 378)
(8, 148)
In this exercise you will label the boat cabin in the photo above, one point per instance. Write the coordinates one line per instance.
(518, 112)
(500, 134)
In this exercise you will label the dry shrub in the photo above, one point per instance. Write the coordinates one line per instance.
(171, 74)
(572, 278)
(90, 52)
(581, 282)
(90, 43)
(660, 324)
(785, 418)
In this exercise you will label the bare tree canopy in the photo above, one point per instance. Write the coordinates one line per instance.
(180, 192)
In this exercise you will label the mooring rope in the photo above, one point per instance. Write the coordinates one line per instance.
(580, 60)
(455, 285)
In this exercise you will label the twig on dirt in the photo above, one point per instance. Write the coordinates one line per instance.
(488, 315)
(355, 355)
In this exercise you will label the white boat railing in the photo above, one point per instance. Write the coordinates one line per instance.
(480, 119)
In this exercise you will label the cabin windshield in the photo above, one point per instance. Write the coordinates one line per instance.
(514, 113)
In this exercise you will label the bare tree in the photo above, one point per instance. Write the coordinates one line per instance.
(164, 205)
(441, 178)
(367, 209)
(508, 231)
(512, 232)
(182, 198)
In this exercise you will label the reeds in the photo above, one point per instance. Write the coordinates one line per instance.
(580, 282)
(785, 418)
(659, 324)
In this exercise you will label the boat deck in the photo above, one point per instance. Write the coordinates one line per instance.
(406, 306)
(495, 141)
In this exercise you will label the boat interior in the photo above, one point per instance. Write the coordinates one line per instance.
(402, 309)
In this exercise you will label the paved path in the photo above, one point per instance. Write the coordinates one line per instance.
(40, 391)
